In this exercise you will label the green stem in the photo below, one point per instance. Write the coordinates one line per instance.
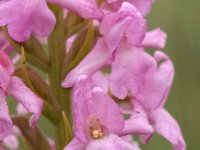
(57, 53)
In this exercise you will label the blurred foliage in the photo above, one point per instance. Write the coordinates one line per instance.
(180, 19)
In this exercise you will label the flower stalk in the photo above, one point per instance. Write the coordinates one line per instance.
(57, 54)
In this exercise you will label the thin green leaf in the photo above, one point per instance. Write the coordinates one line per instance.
(84, 50)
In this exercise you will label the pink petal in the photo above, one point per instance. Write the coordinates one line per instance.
(156, 87)
(81, 94)
(129, 70)
(96, 59)
(167, 127)
(127, 24)
(27, 98)
(75, 144)
(11, 142)
(138, 123)
(105, 108)
(86, 8)
(155, 39)
(5, 121)
(110, 142)
(37, 18)
(100, 80)
(6, 63)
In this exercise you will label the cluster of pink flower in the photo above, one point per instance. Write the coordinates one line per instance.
(108, 107)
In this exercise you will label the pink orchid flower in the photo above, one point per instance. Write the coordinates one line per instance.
(153, 85)
(138, 123)
(37, 18)
(136, 71)
(132, 66)
(98, 121)
(86, 8)
(13, 86)
(126, 24)
(155, 91)
(144, 114)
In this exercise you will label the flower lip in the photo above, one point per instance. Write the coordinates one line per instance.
(95, 127)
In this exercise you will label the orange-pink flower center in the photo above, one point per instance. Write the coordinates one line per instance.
(95, 127)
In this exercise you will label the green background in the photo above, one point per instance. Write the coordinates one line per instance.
(181, 20)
